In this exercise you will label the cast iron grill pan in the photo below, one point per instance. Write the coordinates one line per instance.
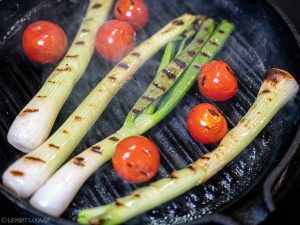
(261, 41)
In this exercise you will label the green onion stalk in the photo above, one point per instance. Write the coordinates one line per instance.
(278, 88)
(28, 173)
(57, 193)
(34, 123)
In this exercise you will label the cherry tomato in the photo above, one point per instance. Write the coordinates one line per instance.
(217, 81)
(206, 124)
(44, 42)
(136, 159)
(115, 39)
(133, 11)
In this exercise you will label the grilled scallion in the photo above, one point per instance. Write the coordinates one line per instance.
(34, 123)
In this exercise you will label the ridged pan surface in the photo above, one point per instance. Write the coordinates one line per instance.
(260, 41)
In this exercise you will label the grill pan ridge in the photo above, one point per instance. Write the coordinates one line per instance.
(241, 192)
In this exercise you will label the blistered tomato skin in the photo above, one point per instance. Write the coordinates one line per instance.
(115, 39)
(136, 159)
(134, 12)
(217, 81)
(44, 42)
(206, 124)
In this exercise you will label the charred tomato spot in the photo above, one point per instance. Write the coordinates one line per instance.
(119, 10)
(203, 80)
(213, 112)
(132, 2)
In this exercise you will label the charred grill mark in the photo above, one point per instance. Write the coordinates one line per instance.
(137, 195)
(123, 65)
(229, 70)
(72, 56)
(35, 159)
(136, 54)
(169, 74)
(119, 10)
(180, 63)
(41, 96)
(191, 53)
(97, 6)
(78, 118)
(85, 30)
(243, 121)
(118, 204)
(17, 173)
(266, 91)
(197, 67)
(147, 98)
(112, 78)
(67, 69)
(53, 146)
(213, 112)
(221, 31)
(270, 99)
(214, 43)
(89, 19)
(200, 41)
(203, 80)
(159, 86)
(65, 131)
(79, 161)
(205, 54)
(96, 149)
(115, 139)
(178, 22)
(51, 81)
(173, 176)
(184, 34)
(79, 43)
(204, 157)
(191, 167)
(168, 30)
(136, 111)
(30, 111)
(275, 75)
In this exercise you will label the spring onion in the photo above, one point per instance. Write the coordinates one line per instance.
(37, 166)
(278, 88)
(33, 124)
(57, 193)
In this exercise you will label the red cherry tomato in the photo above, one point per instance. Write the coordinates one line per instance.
(217, 81)
(136, 159)
(115, 39)
(206, 124)
(44, 42)
(133, 11)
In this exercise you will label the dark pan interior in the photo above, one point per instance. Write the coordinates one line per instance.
(262, 40)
